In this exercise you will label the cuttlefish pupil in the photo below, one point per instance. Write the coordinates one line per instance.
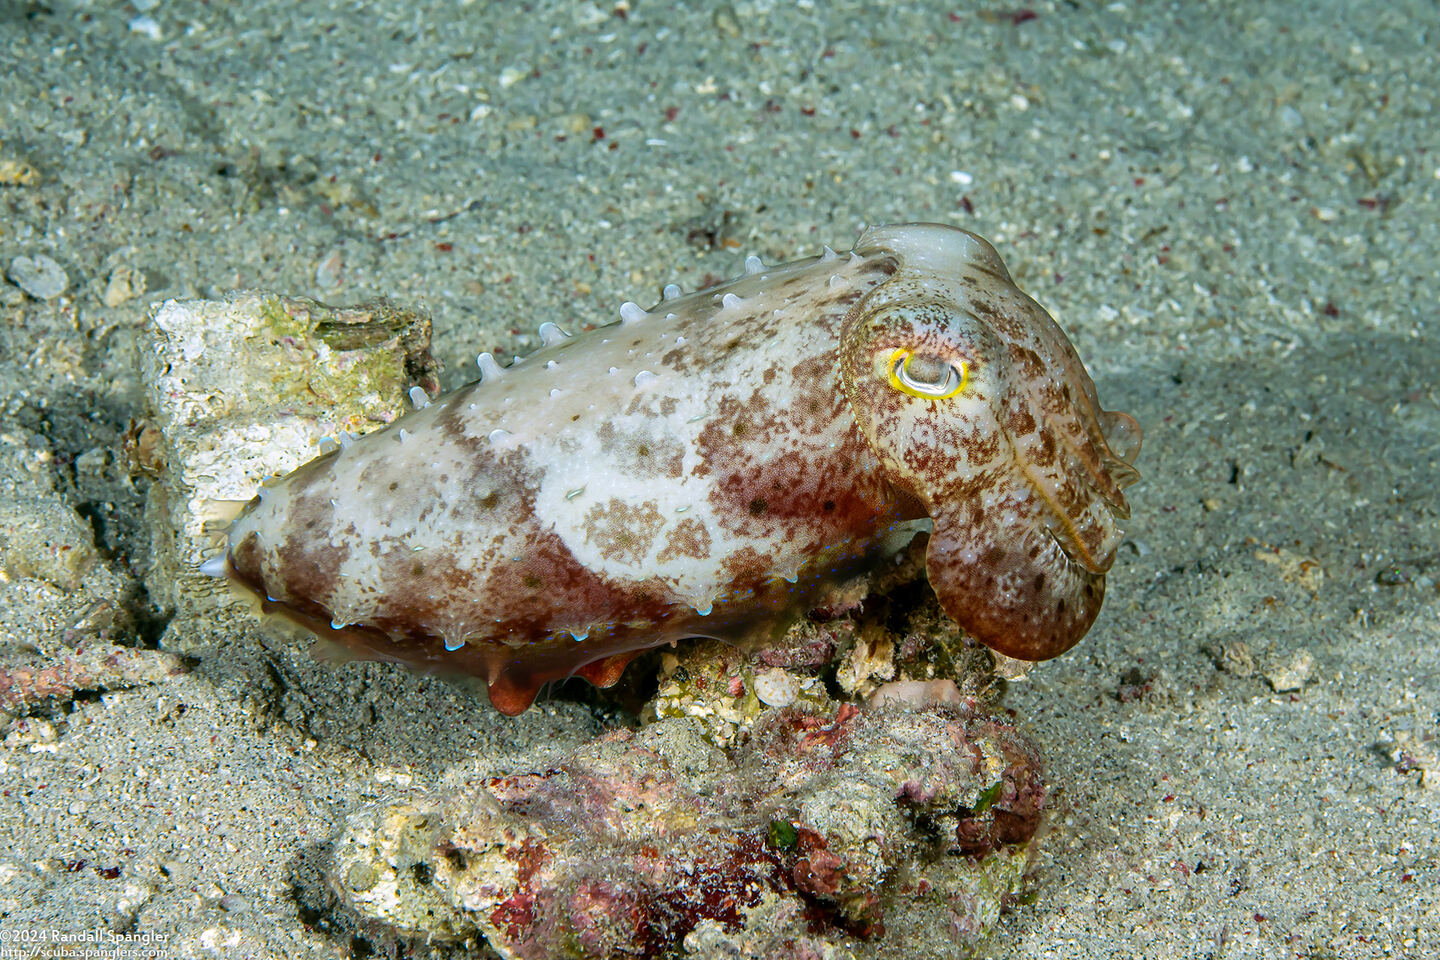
(926, 376)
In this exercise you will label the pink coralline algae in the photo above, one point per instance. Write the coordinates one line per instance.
(92, 667)
(821, 832)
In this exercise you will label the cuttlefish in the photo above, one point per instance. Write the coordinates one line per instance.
(712, 466)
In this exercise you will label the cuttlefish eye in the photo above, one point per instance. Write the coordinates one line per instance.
(926, 375)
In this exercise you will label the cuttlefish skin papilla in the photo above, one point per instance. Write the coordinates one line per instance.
(711, 467)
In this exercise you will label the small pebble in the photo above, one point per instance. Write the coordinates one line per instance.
(125, 283)
(146, 26)
(1234, 657)
(776, 688)
(1289, 673)
(726, 20)
(15, 172)
(38, 276)
(1411, 752)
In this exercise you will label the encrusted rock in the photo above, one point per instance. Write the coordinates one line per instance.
(806, 842)
(885, 632)
(227, 408)
(724, 691)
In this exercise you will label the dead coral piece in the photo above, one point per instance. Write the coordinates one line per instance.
(97, 667)
(899, 633)
(801, 844)
(870, 662)
(894, 637)
(227, 408)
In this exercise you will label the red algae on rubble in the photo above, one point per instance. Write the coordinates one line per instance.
(817, 834)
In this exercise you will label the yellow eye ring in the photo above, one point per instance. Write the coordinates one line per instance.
(957, 376)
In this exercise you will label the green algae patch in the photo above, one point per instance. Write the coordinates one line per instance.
(782, 834)
(361, 356)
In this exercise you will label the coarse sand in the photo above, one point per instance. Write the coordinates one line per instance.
(1233, 208)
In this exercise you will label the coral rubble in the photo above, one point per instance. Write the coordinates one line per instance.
(806, 840)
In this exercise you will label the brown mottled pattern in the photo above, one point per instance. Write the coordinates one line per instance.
(689, 538)
(622, 530)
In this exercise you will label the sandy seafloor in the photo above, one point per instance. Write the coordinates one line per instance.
(1233, 208)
